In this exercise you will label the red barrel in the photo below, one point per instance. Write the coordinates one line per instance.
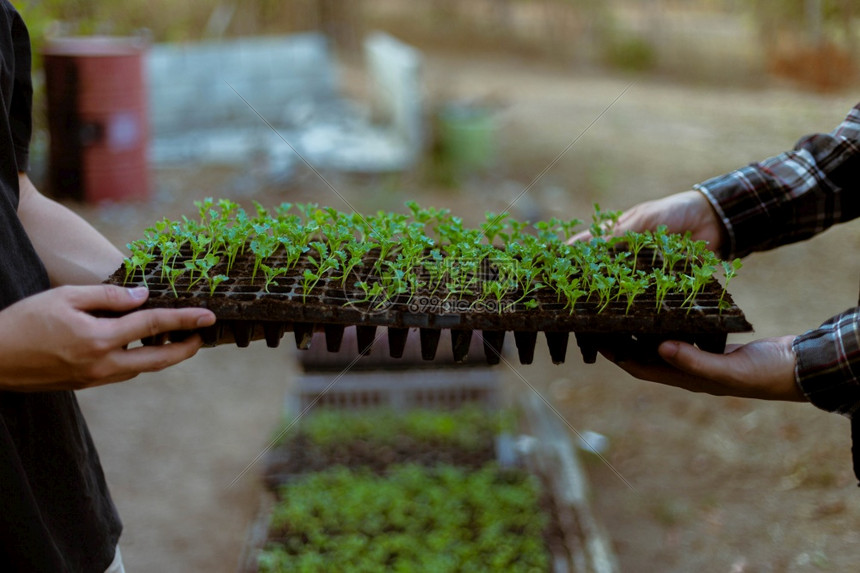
(97, 118)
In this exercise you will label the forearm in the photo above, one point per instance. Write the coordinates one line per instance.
(792, 196)
(74, 253)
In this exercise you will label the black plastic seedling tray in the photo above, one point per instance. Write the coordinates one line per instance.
(247, 311)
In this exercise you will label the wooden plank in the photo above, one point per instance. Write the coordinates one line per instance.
(556, 459)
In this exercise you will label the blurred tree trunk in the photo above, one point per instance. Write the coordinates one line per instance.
(815, 20)
(220, 19)
(503, 18)
(655, 21)
(849, 12)
(340, 21)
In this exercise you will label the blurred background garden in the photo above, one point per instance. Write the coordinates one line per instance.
(803, 46)
(715, 41)
(539, 107)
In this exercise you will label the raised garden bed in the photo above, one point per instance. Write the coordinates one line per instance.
(414, 518)
(377, 437)
(417, 491)
(305, 269)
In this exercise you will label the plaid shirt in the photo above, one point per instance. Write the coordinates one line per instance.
(789, 198)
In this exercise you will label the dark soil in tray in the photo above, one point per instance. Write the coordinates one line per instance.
(300, 456)
(247, 311)
(380, 437)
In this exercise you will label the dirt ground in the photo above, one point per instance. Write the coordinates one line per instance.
(709, 484)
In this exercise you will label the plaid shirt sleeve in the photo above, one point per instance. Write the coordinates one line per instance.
(792, 196)
(827, 369)
(828, 364)
(789, 198)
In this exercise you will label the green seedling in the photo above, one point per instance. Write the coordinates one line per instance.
(431, 252)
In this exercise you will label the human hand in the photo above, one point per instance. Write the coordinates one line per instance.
(50, 341)
(688, 211)
(761, 369)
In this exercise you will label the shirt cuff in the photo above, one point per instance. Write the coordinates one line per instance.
(727, 249)
(739, 210)
(22, 159)
(828, 364)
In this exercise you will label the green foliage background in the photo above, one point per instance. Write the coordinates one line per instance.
(168, 20)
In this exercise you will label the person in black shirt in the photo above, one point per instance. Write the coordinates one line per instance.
(56, 513)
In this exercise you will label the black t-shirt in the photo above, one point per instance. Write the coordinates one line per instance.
(55, 510)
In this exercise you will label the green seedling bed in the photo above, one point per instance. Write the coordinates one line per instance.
(380, 489)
